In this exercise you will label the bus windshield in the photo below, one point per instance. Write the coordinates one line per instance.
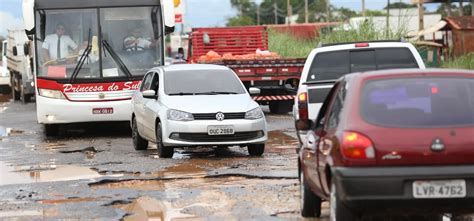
(103, 43)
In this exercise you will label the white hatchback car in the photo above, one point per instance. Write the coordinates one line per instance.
(189, 105)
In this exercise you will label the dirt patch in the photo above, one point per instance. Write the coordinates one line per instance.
(69, 200)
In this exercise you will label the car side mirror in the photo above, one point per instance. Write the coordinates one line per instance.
(15, 51)
(150, 94)
(304, 124)
(254, 91)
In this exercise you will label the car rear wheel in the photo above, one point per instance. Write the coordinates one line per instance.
(310, 203)
(138, 142)
(163, 151)
(338, 211)
(256, 149)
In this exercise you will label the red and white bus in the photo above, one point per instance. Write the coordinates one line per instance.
(91, 55)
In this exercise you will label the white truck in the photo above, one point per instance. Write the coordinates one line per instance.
(19, 56)
(4, 73)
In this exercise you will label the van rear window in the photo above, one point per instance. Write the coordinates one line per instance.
(332, 65)
(419, 102)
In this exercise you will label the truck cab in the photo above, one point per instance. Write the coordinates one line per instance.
(4, 73)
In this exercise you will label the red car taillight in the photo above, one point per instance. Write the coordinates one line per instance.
(303, 106)
(357, 146)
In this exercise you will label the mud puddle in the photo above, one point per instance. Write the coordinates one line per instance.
(43, 173)
(280, 140)
(69, 200)
(147, 208)
(4, 98)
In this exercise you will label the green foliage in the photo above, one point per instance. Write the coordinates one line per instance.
(366, 31)
(372, 13)
(462, 62)
(240, 21)
(400, 5)
(288, 46)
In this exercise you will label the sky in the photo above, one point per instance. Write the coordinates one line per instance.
(199, 13)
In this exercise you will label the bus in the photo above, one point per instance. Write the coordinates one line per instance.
(85, 70)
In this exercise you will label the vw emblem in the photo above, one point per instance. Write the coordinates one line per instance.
(101, 96)
(437, 145)
(220, 116)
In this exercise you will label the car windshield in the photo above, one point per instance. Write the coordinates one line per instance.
(332, 65)
(202, 82)
(72, 45)
(419, 102)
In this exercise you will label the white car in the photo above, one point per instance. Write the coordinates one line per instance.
(190, 105)
(327, 63)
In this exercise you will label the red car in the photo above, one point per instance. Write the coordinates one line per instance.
(391, 142)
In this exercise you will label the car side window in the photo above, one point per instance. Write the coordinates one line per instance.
(154, 82)
(336, 107)
(146, 82)
(321, 119)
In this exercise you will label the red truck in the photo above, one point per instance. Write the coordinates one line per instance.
(277, 78)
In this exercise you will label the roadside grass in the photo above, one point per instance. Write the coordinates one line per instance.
(288, 46)
(462, 62)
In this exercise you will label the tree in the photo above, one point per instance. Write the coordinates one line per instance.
(443, 10)
(396, 5)
(240, 21)
(247, 13)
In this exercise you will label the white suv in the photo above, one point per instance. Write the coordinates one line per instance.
(327, 63)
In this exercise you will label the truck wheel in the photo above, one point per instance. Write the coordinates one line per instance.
(280, 107)
(310, 203)
(256, 149)
(51, 130)
(25, 98)
(15, 94)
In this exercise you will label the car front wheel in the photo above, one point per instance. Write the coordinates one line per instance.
(138, 142)
(163, 151)
(338, 211)
(256, 149)
(310, 203)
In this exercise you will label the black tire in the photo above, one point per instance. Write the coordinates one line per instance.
(280, 107)
(138, 142)
(256, 149)
(25, 98)
(51, 130)
(310, 203)
(163, 151)
(15, 94)
(339, 211)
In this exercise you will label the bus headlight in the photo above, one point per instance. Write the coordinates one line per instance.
(51, 93)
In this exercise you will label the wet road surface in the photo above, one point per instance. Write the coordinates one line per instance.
(93, 172)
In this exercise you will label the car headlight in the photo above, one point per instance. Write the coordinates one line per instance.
(253, 114)
(179, 115)
(51, 93)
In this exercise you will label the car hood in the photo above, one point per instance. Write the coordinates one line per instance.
(211, 103)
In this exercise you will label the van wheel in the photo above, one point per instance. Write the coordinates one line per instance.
(310, 203)
(25, 98)
(163, 151)
(51, 130)
(256, 149)
(138, 142)
(338, 211)
(15, 94)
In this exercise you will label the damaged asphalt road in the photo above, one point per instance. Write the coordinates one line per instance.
(93, 172)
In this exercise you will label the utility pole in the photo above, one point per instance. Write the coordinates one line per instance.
(258, 14)
(461, 8)
(421, 17)
(448, 6)
(388, 18)
(275, 10)
(363, 8)
(306, 16)
(288, 7)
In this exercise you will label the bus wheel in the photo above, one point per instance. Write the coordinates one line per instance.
(51, 130)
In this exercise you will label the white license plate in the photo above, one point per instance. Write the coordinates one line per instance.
(220, 130)
(107, 110)
(439, 189)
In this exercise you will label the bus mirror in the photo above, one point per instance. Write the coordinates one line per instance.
(28, 15)
(15, 51)
(168, 14)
